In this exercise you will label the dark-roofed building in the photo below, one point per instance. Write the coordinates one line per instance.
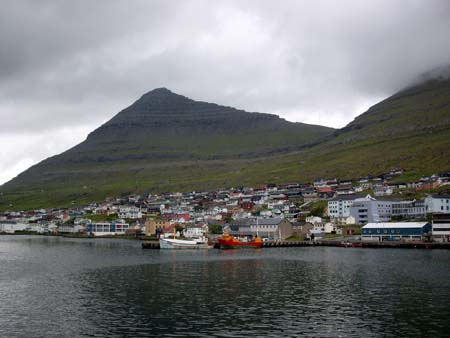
(271, 228)
(302, 229)
(396, 231)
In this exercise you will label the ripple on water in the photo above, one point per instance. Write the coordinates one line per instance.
(111, 288)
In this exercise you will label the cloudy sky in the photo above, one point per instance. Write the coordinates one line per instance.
(68, 66)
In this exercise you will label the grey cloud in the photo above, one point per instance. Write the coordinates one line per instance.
(40, 34)
(253, 54)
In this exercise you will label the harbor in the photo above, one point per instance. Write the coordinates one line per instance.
(93, 284)
(154, 245)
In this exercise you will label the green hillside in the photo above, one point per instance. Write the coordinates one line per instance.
(411, 129)
(166, 142)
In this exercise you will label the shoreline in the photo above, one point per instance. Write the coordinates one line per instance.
(150, 243)
(130, 237)
(362, 244)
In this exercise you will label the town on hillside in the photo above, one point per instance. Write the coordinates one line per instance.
(374, 208)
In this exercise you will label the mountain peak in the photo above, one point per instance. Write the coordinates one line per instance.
(161, 94)
(160, 90)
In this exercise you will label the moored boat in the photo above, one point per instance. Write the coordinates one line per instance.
(188, 243)
(229, 242)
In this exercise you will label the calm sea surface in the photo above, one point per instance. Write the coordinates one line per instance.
(57, 287)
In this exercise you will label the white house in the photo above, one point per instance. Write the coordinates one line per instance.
(265, 213)
(326, 228)
(321, 183)
(313, 219)
(130, 212)
(339, 207)
(37, 227)
(10, 227)
(79, 221)
(194, 232)
(105, 229)
(383, 190)
(437, 203)
(344, 220)
(71, 228)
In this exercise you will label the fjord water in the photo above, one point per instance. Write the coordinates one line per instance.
(59, 287)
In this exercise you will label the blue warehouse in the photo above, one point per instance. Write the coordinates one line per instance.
(396, 231)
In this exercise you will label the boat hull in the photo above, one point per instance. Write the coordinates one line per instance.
(166, 243)
(236, 244)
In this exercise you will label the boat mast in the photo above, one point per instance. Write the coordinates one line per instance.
(257, 227)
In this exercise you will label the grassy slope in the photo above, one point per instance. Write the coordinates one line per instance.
(410, 130)
(423, 154)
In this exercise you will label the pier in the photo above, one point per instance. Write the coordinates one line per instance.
(360, 244)
(286, 244)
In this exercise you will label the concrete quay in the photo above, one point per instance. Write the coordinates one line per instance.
(285, 244)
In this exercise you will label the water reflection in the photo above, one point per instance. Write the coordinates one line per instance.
(110, 288)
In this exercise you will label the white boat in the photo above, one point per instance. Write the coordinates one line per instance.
(188, 243)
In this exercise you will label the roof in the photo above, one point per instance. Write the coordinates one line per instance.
(395, 225)
(349, 197)
(269, 221)
(366, 199)
(323, 190)
(440, 195)
(261, 221)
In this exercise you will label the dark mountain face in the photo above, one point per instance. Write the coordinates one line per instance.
(164, 125)
(162, 138)
(161, 108)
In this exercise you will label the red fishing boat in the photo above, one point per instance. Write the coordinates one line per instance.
(229, 242)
